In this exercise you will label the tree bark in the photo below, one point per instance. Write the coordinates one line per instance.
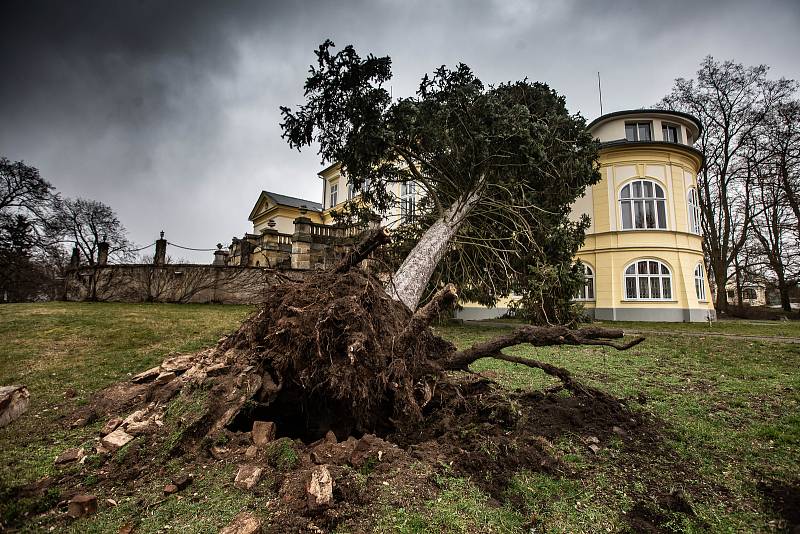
(409, 281)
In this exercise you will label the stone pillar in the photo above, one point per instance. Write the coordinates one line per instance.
(220, 256)
(301, 243)
(75, 260)
(102, 253)
(270, 246)
(160, 258)
(245, 248)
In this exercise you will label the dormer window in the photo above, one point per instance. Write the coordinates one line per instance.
(638, 131)
(671, 133)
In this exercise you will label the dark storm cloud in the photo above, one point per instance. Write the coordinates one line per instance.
(168, 111)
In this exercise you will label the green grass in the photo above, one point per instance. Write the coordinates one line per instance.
(731, 407)
(85, 347)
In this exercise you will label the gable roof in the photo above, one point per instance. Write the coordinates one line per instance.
(284, 200)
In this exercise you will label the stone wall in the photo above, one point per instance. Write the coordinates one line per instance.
(182, 283)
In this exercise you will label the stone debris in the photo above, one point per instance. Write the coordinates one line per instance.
(136, 416)
(319, 489)
(70, 455)
(115, 440)
(247, 477)
(82, 505)
(251, 452)
(80, 422)
(146, 376)
(14, 401)
(263, 432)
(163, 378)
(217, 369)
(70, 393)
(594, 448)
(127, 528)
(169, 489)
(244, 523)
(111, 425)
(592, 439)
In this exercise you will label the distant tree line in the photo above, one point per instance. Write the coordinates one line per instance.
(749, 187)
(39, 228)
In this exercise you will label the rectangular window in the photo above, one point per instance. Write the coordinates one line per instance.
(627, 217)
(334, 194)
(667, 288)
(638, 131)
(630, 287)
(670, 133)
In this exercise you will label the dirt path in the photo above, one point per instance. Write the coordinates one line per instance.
(639, 331)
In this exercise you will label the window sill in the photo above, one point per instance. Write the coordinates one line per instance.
(665, 301)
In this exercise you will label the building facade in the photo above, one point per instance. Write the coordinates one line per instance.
(643, 253)
(643, 256)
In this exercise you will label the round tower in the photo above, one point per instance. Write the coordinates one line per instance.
(643, 251)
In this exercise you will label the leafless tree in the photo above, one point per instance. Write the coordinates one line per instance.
(732, 101)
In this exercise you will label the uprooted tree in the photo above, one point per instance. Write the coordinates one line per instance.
(344, 351)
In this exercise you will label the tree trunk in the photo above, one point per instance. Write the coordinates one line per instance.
(722, 297)
(409, 281)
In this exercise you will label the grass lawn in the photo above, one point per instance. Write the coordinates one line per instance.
(730, 407)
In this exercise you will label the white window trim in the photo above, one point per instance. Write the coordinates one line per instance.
(703, 296)
(333, 196)
(695, 224)
(620, 200)
(661, 276)
(408, 197)
(588, 277)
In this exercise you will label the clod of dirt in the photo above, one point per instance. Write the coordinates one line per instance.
(82, 505)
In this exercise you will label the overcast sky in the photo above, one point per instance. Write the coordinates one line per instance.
(168, 110)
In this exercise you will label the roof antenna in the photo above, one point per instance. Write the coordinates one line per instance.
(600, 92)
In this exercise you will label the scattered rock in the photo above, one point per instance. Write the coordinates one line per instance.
(182, 481)
(619, 432)
(115, 440)
(146, 376)
(594, 448)
(111, 502)
(178, 364)
(127, 528)
(217, 369)
(14, 401)
(263, 432)
(111, 425)
(169, 489)
(330, 437)
(80, 423)
(319, 489)
(163, 378)
(592, 439)
(244, 523)
(82, 505)
(70, 455)
(137, 428)
(136, 416)
(247, 477)
(70, 393)
(251, 452)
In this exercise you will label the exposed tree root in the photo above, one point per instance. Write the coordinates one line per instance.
(336, 353)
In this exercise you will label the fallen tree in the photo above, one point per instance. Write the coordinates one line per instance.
(336, 353)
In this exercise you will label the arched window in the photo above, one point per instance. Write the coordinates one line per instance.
(644, 206)
(699, 282)
(648, 280)
(587, 290)
(694, 211)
